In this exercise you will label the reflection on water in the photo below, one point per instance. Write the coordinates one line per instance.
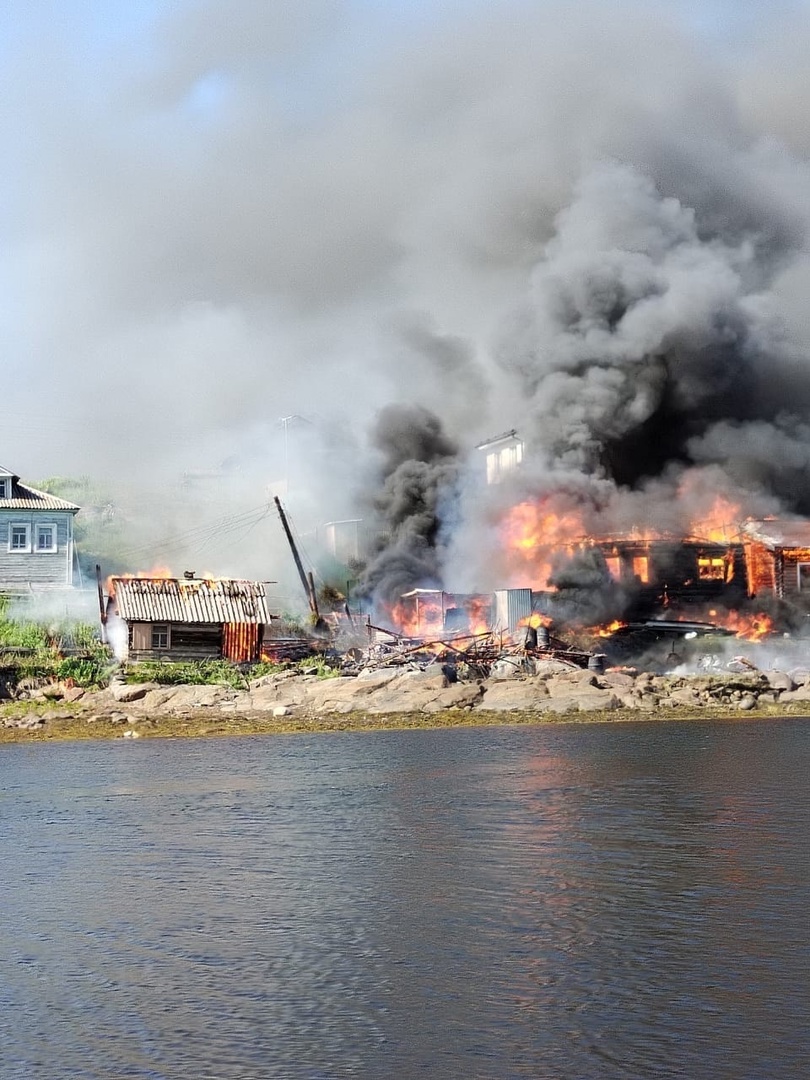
(589, 901)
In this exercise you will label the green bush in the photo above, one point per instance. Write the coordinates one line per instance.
(85, 671)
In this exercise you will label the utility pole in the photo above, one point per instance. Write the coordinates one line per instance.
(308, 583)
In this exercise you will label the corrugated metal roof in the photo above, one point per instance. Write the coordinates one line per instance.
(24, 497)
(777, 533)
(221, 600)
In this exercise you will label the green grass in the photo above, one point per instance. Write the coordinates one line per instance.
(44, 643)
(218, 672)
(191, 673)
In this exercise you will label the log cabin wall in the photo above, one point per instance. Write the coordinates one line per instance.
(184, 641)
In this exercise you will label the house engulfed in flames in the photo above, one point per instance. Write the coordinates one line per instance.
(741, 584)
(661, 572)
(157, 618)
(777, 559)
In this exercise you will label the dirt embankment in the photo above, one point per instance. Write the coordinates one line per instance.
(391, 697)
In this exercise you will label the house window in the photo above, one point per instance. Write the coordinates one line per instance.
(19, 537)
(160, 636)
(711, 569)
(641, 569)
(803, 569)
(614, 566)
(46, 537)
(5, 488)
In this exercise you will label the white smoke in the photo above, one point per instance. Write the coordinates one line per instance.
(585, 221)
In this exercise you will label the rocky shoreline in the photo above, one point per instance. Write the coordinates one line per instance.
(391, 697)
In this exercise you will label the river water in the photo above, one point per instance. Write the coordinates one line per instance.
(568, 901)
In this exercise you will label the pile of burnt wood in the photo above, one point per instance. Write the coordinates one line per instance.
(467, 656)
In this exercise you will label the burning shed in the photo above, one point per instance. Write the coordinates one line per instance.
(191, 619)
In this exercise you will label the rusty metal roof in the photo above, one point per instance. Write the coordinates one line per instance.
(24, 497)
(219, 600)
(778, 533)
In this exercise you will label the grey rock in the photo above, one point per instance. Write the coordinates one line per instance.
(801, 693)
(122, 691)
(506, 695)
(780, 680)
(507, 669)
(574, 681)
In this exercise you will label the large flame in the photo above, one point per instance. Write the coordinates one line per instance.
(533, 534)
(720, 523)
(428, 614)
(746, 626)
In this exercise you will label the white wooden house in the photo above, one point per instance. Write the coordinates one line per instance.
(36, 537)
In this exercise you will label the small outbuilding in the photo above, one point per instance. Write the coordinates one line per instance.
(152, 618)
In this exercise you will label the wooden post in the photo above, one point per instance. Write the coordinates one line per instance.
(102, 611)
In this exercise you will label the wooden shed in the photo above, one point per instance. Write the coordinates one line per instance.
(188, 619)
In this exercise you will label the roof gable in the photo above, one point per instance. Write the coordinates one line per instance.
(24, 497)
(779, 533)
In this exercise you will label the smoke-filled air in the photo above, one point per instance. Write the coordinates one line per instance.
(341, 245)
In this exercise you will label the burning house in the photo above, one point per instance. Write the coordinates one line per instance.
(777, 560)
(662, 572)
(154, 618)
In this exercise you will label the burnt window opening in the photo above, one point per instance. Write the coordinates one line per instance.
(614, 566)
(641, 569)
(711, 569)
(160, 636)
(803, 572)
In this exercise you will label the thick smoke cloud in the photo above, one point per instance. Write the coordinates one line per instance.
(588, 222)
(419, 470)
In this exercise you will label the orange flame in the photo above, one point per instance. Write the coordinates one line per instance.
(747, 627)
(155, 572)
(720, 523)
(536, 620)
(609, 629)
(534, 533)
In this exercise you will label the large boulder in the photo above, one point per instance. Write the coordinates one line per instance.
(525, 695)
(571, 682)
(553, 666)
(586, 699)
(457, 696)
(121, 691)
(780, 680)
(289, 692)
(801, 693)
(199, 697)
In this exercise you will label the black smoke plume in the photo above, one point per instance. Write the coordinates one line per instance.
(418, 474)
